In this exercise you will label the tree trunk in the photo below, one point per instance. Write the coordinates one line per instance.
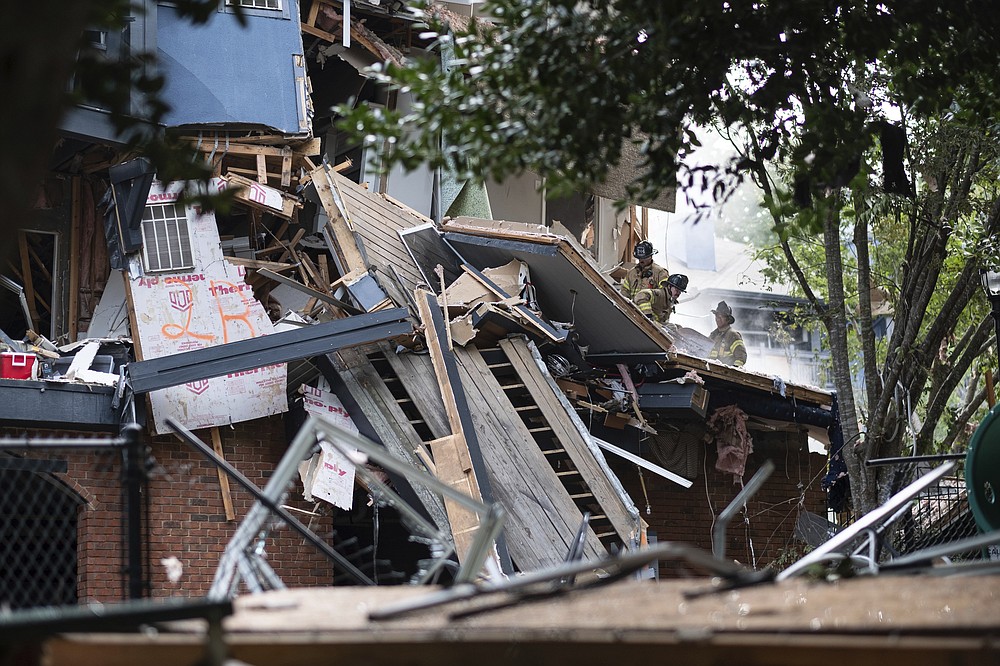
(863, 491)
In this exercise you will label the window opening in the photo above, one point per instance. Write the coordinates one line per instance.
(166, 240)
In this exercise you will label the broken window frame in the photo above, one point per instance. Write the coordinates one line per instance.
(257, 8)
(180, 254)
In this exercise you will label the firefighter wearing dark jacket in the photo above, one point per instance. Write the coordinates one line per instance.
(650, 286)
(728, 346)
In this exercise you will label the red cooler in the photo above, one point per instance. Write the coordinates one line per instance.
(16, 366)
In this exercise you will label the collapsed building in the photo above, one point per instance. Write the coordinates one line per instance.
(496, 355)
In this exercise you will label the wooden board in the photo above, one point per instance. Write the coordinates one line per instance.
(542, 518)
(883, 621)
(571, 434)
(452, 460)
(227, 497)
(706, 368)
(346, 252)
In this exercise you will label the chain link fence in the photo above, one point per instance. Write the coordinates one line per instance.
(941, 514)
(43, 510)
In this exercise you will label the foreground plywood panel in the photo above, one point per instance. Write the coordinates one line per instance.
(884, 621)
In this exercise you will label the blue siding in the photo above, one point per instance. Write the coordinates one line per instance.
(222, 73)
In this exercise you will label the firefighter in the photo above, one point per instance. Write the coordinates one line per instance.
(650, 286)
(645, 274)
(728, 346)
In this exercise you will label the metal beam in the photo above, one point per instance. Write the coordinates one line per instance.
(305, 342)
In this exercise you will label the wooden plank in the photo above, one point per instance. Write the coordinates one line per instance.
(262, 169)
(341, 236)
(227, 497)
(329, 300)
(313, 14)
(324, 271)
(257, 263)
(451, 455)
(316, 32)
(286, 167)
(288, 248)
(543, 518)
(572, 436)
(925, 620)
(239, 148)
(314, 275)
(251, 172)
(707, 368)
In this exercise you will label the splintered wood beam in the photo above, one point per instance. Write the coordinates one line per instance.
(313, 273)
(227, 497)
(338, 233)
(289, 248)
(258, 264)
(452, 461)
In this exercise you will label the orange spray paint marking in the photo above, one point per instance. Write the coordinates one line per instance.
(219, 289)
(182, 299)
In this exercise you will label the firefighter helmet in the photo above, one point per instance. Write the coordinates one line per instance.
(643, 250)
(679, 281)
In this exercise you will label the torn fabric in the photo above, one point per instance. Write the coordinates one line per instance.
(729, 427)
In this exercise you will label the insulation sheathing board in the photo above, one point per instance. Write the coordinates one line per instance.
(205, 305)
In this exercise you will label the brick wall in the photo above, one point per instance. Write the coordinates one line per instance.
(187, 517)
(186, 513)
(686, 515)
